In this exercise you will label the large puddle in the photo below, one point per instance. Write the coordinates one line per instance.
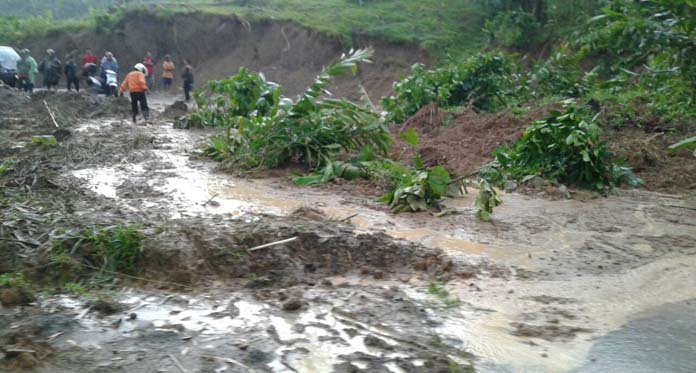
(569, 247)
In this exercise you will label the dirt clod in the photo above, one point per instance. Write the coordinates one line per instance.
(105, 306)
(11, 296)
(549, 332)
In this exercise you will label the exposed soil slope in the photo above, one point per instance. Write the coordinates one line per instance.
(460, 141)
(464, 141)
(218, 45)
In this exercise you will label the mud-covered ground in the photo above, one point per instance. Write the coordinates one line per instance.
(359, 289)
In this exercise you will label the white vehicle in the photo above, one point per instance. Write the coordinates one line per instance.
(111, 88)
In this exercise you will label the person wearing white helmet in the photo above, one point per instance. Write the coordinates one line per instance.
(136, 84)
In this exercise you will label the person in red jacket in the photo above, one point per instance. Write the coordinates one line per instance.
(136, 84)
(88, 58)
(150, 66)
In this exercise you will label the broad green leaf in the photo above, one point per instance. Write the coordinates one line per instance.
(410, 136)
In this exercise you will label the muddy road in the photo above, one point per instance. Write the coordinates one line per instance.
(550, 285)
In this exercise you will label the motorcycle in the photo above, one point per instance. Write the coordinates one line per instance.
(107, 84)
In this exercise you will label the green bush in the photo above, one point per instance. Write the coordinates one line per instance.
(564, 147)
(265, 129)
(242, 95)
(483, 81)
(561, 75)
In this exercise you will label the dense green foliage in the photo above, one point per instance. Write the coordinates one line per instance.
(647, 50)
(564, 147)
(482, 81)
(527, 24)
(265, 129)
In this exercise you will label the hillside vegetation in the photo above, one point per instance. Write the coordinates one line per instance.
(444, 27)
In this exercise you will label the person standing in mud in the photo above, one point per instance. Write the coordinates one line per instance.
(32, 70)
(70, 71)
(150, 66)
(50, 69)
(168, 68)
(22, 72)
(187, 76)
(136, 84)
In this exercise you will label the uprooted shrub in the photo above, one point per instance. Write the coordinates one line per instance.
(563, 147)
(483, 81)
(265, 129)
(408, 189)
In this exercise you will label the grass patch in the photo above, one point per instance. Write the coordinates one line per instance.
(440, 26)
(74, 288)
(115, 248)
(438, 290)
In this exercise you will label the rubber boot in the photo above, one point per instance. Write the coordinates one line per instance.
(146, 114)
(135, 118)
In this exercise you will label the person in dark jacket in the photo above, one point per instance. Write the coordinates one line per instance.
(50, 68)
(71, 74)
(187, 76)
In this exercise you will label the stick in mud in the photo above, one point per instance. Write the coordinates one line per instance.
(50, 112)
(210, 200)
(227, 360)
(272, 244)
(177, 363)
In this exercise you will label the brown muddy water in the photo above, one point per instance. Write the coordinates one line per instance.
(604, 284)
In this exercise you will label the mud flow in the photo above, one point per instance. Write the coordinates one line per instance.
(580, 285)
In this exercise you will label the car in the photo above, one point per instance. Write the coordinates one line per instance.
(8, 65)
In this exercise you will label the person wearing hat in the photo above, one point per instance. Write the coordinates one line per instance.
(136, 84)
(50, 69)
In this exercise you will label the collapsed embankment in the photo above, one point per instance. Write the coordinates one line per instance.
(218, 46)
(463, 141)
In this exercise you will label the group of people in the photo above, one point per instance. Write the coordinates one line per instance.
(137, 82)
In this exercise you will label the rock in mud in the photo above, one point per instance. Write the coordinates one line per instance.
(372, 341)
(293, 304)
(176, 110)
(257, 357)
